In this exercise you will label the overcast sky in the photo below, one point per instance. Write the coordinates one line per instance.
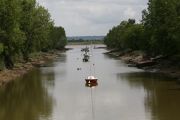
(92, 17)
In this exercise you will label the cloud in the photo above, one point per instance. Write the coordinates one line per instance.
(92, 17)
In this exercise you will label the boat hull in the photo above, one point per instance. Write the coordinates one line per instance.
(91, 84)
(85, 60)
(91, 81)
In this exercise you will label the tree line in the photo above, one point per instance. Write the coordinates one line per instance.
(26, 27)
(157, 34)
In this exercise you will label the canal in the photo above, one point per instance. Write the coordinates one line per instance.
(58, 92)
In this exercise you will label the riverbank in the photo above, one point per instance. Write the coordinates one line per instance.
(22, 68)
(159, 64)
(96, 42)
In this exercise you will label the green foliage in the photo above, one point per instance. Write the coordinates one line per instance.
(26, 27)
(127, 35)
(160, 22)
(58, 37)
(42, 25)
(158, 34)
(27, 21)
(1, 48)
(11, 35)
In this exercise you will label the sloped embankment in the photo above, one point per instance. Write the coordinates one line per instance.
(160, 64)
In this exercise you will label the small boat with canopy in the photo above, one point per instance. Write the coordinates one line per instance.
(91, 80)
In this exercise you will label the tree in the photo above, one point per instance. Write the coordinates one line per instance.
(42, 28)
(127, 35)
(26, 27)
(11, 35)
(58, 38)
(27, 22)
(159, 21)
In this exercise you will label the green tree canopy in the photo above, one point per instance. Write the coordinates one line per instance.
(26, 27)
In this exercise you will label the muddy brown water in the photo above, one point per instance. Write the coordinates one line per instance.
(58, 92)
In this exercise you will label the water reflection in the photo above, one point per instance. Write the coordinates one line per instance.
(48, 76)
(61, 58)
(91, 85)
(162, 94)
(59, 92)
(25, 99)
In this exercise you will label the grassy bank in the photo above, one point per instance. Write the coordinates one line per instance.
(21, 68)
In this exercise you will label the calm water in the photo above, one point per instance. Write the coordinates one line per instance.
(58, 92)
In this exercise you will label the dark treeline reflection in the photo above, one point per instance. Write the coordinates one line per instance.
(162, 94)
(26, 99)
(48, 75)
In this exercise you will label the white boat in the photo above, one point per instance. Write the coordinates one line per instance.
(91, 79)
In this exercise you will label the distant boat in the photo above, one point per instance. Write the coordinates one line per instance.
(91, 80)
(86, 49)
(86, 57)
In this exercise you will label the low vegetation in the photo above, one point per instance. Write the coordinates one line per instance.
(84, 42)
(26, 28)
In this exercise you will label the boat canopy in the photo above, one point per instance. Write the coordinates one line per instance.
(91, 77)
